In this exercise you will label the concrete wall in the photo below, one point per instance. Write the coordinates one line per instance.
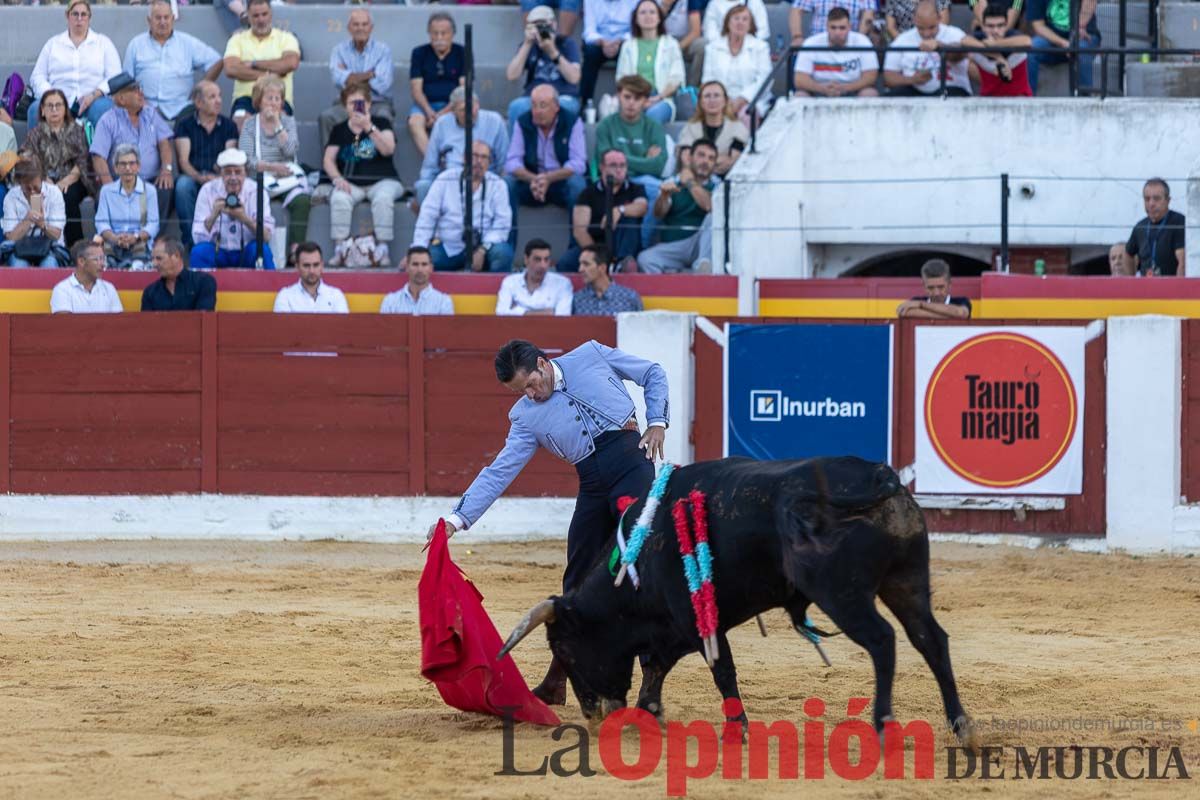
(926, 172)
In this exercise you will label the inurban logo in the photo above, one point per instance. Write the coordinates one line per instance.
(771, 405)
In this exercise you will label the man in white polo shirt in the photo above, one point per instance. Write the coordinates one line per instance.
(418, 296)
(310, 295)
(84, 291)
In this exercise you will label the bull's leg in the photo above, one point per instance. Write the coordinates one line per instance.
(724, 673)
(654, 672)
(909, 600)
(858, 618)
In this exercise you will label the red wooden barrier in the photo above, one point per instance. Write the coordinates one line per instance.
(264, 404)
(1083, 513)
(1189, 431)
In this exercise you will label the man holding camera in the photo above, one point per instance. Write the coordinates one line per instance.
(544, 57)
(226, 219)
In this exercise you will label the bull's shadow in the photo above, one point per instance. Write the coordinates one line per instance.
(835, 532)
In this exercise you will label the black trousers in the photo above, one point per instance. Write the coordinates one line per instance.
(617, 468)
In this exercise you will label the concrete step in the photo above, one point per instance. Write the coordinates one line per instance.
(1162, 80)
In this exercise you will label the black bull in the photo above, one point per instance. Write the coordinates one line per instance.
(835, 532)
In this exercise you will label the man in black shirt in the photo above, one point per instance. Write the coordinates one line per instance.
(937, 302)
(1156, 246)
(177, 289)
(625, 201)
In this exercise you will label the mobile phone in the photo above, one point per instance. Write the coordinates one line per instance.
(35, 203)
(360, 106)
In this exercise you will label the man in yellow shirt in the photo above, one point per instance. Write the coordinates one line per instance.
(261, 50)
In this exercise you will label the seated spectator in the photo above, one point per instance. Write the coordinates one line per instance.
(446, 141)
(822, 72)
(199, 139)
(163, 61)
(178, 288)
(861, 14)
(311, 294)
(440, 223)
(544, 57)
(226, 218)
(1157, 244)
(685, 22)
(127, 214)
(133, 121)
(740, 61)
(918, 74)
(1012, 13)
(360, 59)
(1050, 22)
(8, 145)
(61, 147)
(714, 120)
(1116, 260)
(1001, 74)
(79, 62)
(684, 206)
(605, 28)
(436, 70)
(568, 10)
(641, 139)
(600, 297)
(654, 55)
(260, 50)
(34, 216)
(717, 12)
(270, 141)
(901, 15)
(535, 291)
(418, 295)
(84, 291)
(547, 158)
(937, 302)
(358, 159)
(598, 210)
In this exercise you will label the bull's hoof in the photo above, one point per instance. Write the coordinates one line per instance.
(968, 736)
(656, 709)
(552, 694)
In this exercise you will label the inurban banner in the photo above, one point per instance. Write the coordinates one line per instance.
(999, 410)
(798, 391)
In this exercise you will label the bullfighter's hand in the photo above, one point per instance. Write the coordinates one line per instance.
(652, 443)
(450, 529)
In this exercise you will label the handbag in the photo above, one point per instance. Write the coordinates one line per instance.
(275, 185)
(32, 248)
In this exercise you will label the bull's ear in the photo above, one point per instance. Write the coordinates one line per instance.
(542, 613)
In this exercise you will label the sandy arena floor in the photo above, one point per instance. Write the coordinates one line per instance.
(223, 670)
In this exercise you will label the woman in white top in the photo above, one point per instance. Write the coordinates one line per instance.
(34, 209)
(654, 55)
(80, 62)
(717, 10)
(739, 61)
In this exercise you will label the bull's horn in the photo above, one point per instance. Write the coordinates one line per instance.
(540, 614)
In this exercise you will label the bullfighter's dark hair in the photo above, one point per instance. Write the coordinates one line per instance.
(516, 356)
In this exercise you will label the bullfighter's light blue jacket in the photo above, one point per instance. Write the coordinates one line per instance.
(589, 398)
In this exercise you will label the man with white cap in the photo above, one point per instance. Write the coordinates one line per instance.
(545, 56)
(226, 217)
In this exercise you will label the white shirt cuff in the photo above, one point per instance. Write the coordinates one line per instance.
(662, 425)
(457, 522)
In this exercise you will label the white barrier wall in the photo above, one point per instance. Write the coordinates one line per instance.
(926, 172)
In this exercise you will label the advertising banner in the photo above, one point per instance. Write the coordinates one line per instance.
(798, 391)
(999, 410)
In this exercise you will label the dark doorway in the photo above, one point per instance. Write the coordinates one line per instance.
(907, 264)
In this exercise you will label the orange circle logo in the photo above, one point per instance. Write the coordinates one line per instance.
(1000, 410)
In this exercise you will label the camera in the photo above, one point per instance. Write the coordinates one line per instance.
(232, 200)
(544, 30)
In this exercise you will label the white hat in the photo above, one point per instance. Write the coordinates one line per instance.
(540, 14)
(232, 158)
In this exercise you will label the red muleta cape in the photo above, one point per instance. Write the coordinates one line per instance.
(459, 644)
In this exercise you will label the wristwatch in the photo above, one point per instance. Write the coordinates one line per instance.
(169, 168)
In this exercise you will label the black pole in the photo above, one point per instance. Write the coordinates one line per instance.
(1122, 36)
(610, 237)
(753, 128)
(1154, 28)
(260, 201)
(1104, 76)
(1073, 56)
(942, 74)
(468, 194)
(1004, 222)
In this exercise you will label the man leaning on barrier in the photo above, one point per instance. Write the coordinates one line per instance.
(937, 303)
(823, 69)
(917, 72)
